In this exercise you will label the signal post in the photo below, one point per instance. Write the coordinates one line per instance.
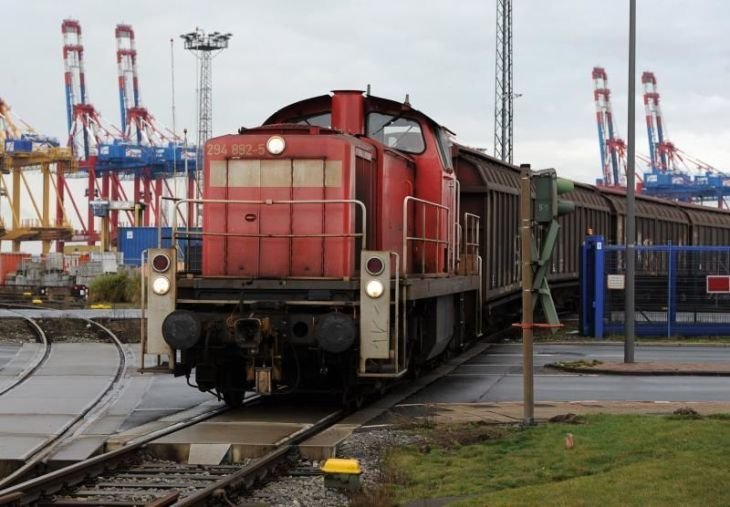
(536, 265)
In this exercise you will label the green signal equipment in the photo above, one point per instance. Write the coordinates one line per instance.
(548, 187)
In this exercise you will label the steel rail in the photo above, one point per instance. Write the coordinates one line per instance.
(251, 473)
(32, 490)
(77, 422)
(40, 358)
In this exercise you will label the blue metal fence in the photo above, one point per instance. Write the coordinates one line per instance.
(680, 290)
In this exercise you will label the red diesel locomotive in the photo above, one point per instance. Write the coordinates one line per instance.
(335, 255)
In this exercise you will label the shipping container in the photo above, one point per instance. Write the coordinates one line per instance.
(79, 249)
(9, 263)
(54, 261)
(110, 261)
(132, 241)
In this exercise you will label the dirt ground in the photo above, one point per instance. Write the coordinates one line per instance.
(506, 412)
(649, 368)
(126, 329)
(14, 330)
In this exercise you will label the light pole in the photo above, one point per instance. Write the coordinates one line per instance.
(630, 299)
(205, 46)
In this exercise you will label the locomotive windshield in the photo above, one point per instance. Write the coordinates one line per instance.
(323, 120)
(396, 132)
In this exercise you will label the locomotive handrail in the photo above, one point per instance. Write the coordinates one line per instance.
(455, 258)
(270, 202)
(406, 238)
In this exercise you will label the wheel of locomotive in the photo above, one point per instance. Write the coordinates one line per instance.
(415, 338)
(233, 399)
(232, 385)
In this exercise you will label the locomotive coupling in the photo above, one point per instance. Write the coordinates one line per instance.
(249, 332)
(181, 329)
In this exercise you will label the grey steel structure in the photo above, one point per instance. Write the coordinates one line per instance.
(503, 93)
(205, 46)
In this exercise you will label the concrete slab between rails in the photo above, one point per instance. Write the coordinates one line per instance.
(324, 445)
(712, 369)
(20, 361)
(79, 449)
(512, 412)
(245, 439)
(208, 454)
(139, 391)
(132, 434)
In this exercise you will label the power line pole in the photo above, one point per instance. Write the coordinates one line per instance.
(503, 93)
(630, 295)
(205, 47)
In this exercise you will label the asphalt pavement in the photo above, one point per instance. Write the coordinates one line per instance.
(496, 376)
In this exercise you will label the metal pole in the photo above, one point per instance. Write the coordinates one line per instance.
(630, 301)
(527, 309)
(174, 126)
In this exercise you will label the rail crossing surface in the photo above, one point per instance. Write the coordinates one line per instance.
(70, 380)
(51, 313)
(74, 375)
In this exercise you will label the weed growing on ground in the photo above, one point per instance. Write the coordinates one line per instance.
(615, 460)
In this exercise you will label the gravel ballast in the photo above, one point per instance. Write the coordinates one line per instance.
(368, 446)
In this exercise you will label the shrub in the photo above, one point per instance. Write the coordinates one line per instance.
(122, 287)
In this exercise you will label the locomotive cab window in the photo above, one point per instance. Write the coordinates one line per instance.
(396, 132)
(323, 120)
(444, 147)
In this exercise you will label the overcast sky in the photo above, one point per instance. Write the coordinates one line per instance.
(441, 53)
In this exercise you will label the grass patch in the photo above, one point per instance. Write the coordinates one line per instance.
(122, 287)
(582, 363)
(617, 460)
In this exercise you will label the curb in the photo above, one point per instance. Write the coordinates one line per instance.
(606, 343)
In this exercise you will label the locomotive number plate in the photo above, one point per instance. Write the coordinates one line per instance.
(236, 150)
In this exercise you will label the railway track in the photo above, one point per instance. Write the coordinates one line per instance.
(131, 475)
(97, 406)
(38, 360)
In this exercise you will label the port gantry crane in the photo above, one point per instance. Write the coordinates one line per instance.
(668, 175)
(611, 146)
(87, 132)
(162, 151)
(22, 150)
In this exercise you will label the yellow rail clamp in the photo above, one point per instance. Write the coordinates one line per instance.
(342, 474)
(27, 294)
(37, 301)
(101, 306)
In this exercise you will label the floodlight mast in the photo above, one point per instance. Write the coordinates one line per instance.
(205, 46)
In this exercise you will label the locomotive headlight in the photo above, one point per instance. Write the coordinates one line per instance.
(161, 285)
(374, 288)
(275, 145)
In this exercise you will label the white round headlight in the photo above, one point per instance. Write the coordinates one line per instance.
(275, 145)
(161, 285)
(374, 288)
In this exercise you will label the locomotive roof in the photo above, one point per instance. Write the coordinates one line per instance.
(323, 104)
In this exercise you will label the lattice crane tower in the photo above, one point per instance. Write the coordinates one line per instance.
(503, 93)
(205, 47)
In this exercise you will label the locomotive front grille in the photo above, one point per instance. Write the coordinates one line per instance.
(278, 173)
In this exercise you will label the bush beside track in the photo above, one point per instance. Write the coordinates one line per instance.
(122, 287)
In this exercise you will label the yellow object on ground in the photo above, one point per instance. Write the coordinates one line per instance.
(342, 473)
